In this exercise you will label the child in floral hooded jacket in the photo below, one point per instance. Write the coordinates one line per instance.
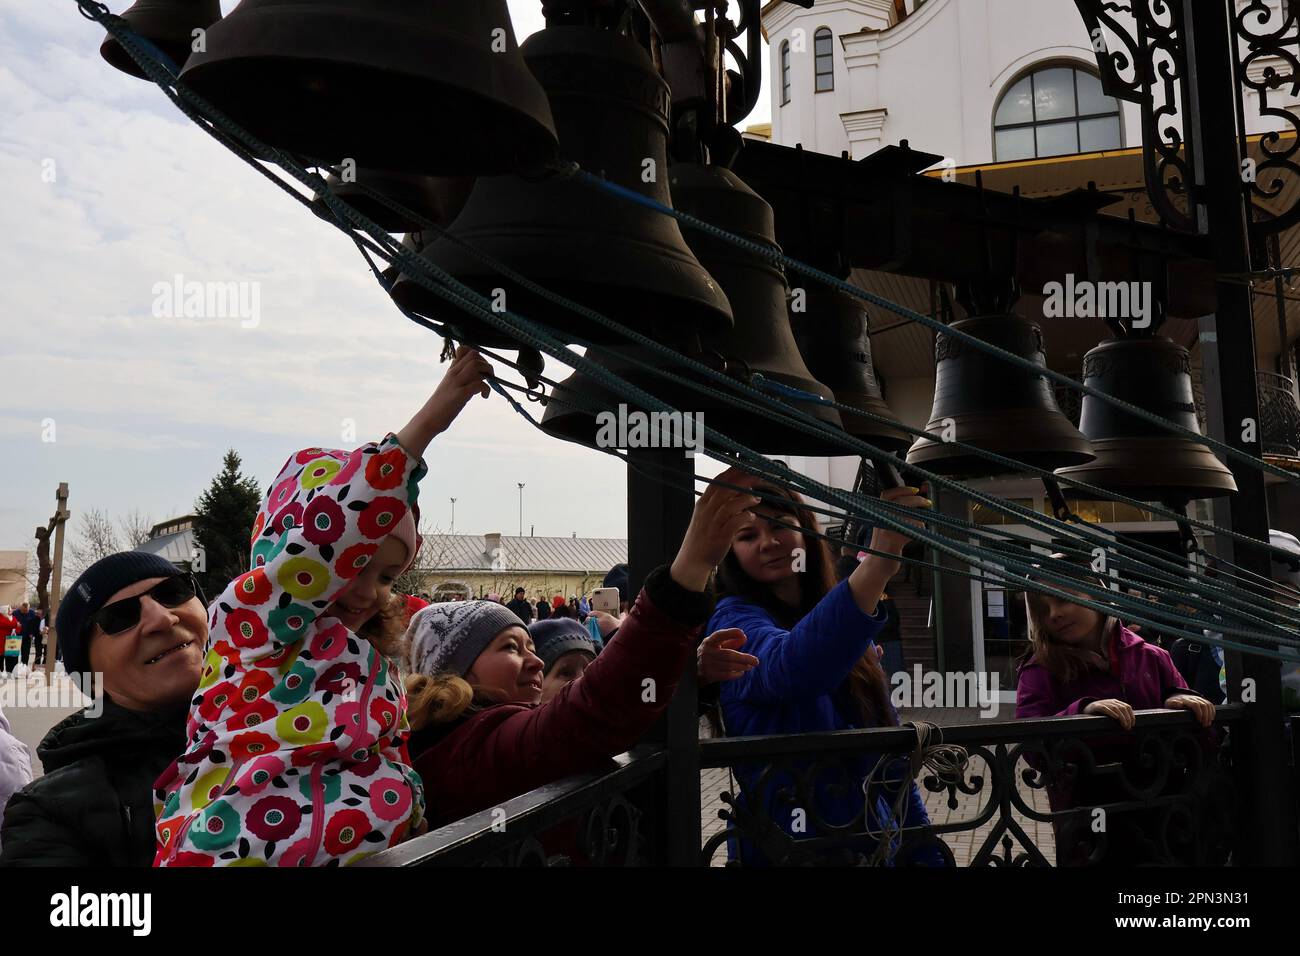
(297, 733)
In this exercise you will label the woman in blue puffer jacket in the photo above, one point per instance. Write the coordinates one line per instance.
(818, 670)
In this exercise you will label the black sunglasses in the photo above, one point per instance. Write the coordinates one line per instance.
(125, 614)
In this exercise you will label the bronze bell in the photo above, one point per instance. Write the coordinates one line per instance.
(761, 342)
(1134, 457)
(614, 256)
(436, 198)
(989, 403)
(168, 24)
(422, 86)
(531, 363)
(834, 337)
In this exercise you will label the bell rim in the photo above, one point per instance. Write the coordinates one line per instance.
(267, 48)
(1108, 472)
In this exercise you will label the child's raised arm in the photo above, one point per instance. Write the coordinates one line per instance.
(464, 379)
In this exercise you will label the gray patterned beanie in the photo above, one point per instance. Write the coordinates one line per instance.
(450, 636)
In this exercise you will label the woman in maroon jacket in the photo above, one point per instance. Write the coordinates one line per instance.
(480, 736)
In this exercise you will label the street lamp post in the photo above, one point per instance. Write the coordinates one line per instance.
(453, 516)
(521, 508)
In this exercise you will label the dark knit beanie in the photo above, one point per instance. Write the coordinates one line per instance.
(97, 584)
(617, 578)
(557, 636)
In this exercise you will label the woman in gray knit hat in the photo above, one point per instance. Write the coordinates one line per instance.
(480, 735)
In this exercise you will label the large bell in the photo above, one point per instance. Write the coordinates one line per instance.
(436, 198)
(612, 255)
(168, 24)
(834, 338)
(989, 403)
(761, 343)
(422, 86)
(1135, 457)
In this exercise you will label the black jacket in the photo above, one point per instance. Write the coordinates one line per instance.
(523, 609)
(94, 806)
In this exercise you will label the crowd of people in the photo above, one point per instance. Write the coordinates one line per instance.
(22, 635)
(310, 716)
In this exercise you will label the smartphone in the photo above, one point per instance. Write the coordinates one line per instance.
(605, 599)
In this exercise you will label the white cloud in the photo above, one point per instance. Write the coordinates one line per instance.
(145, 406)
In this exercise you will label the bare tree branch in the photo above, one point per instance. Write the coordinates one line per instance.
(96, 538)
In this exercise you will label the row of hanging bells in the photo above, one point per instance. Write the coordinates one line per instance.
(339, 80)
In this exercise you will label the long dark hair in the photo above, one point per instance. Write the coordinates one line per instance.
(866, 681)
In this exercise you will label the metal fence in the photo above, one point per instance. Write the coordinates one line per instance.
(1165, 793)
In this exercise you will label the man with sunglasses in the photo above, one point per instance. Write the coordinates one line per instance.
(136, 622)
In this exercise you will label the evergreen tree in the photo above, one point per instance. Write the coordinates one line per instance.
(223, 521)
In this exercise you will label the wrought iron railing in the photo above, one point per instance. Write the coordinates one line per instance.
(1168, 798)
(598, 819)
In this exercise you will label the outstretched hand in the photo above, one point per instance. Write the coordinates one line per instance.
(466, 377)
(719, 513)
(718, 659)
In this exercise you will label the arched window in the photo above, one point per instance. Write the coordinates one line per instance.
(823, 60)
(1055, 111)
(785, 72)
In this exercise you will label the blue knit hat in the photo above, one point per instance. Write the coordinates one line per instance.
(557, 636)
(97, 584)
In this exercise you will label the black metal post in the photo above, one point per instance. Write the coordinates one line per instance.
(657, 517)
(1232, 405)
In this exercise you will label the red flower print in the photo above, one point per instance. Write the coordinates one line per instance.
(273, 818)
(215, 700)
(299, 854)
(345, 831)
(352, 560)
(290, 516)
(350, 465)
(252, 743)
(254, 685)
(384, 713)
(390, 799)
(253, 588)
(245, 627)
(309, 754)
(328, 642)
(323, 521)
(342, 678)
(384, 471)
(251, 715)
(258, 525)
(381, 516)
(282, 494)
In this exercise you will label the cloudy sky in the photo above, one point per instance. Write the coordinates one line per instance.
(111, 190)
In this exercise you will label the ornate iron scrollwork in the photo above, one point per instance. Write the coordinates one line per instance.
(1268, 64)
(1159, 795)
(1142, 58)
